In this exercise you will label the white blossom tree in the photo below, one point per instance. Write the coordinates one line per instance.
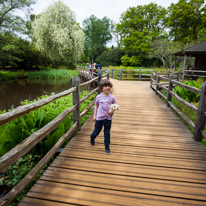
(57, 33)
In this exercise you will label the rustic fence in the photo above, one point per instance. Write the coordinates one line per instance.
(193, 74)
(120, 74)
(17, 152)
(161, 82)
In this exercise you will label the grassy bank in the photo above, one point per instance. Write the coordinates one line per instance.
(48, 73)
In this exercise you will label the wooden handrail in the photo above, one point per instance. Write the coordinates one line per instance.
(86, 84)
(87, 109)
(90, 94)
(190, 88)
(164, 78)
(191, 106)
(203, 134)
(21, 149)
(184, 117)
(201, 110)
(21, 110)
(11, 195)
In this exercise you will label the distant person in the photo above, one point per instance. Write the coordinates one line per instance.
(98, 66)
(90, 68)
(102, 115)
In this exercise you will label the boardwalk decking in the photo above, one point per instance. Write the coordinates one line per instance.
(153, 160)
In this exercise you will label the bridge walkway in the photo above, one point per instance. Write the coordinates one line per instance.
(153, 160)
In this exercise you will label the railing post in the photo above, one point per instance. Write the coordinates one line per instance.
(170, 87)
(99, 79)
(151, 79)
(158, 81)
(112, 72)
(120, 73)
(76, 98)
(140, 71)
(200, 121)
(108, 74)
(168, 73)
(179, 75)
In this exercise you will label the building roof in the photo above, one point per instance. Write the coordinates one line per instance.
(194, 50)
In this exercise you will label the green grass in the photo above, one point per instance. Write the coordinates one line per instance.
(52, 74)
(42, 74)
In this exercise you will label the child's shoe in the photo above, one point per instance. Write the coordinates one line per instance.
(92, 142)
(107, 149)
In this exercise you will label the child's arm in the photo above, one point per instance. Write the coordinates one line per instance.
(111, 112)
(95, 112)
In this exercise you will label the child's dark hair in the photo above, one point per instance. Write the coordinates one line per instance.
(104, 83)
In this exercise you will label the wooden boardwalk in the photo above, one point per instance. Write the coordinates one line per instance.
(153, 160)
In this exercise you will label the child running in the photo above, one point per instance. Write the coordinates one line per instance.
(102, 116)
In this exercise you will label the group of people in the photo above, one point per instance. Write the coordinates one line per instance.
(93, 68)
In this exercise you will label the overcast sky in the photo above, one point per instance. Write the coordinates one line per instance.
(100, 8)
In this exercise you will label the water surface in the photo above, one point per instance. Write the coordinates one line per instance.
(14, 91)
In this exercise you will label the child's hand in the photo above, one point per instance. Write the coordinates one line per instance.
(111, 112)
(94, 118)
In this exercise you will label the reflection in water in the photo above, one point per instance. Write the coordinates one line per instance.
(15, 91)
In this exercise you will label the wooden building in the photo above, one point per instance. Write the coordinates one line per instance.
(199, 52)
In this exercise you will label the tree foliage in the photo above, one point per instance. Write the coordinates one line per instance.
(16, 52)
(186, 21)
(164, 49)
(110, 57)
(97, 34)
(57, 33)
(140, 25)
(9, 20)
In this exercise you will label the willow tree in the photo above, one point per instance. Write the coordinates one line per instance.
(57, 33)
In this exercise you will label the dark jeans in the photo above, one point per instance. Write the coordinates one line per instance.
(98, 127)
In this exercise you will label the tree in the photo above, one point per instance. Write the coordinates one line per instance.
(57, 33)
(116, 35)
(164, 49)
(19, 53)
(139, 26)
(97, 34)
(9, 21)
(186, 20)
(110, 57)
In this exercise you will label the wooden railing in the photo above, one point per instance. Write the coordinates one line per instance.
(160, 82)
(193, 74)
(120, 74)
(17, 152)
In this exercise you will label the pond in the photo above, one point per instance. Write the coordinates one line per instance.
(14, 91)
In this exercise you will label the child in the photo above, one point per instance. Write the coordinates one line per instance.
(102, 116)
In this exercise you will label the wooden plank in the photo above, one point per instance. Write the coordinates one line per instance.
(138, 150)
(82, 195)
(127, 169)
(134, 159)
(124, 183)
(149, 144)
(28, 201)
